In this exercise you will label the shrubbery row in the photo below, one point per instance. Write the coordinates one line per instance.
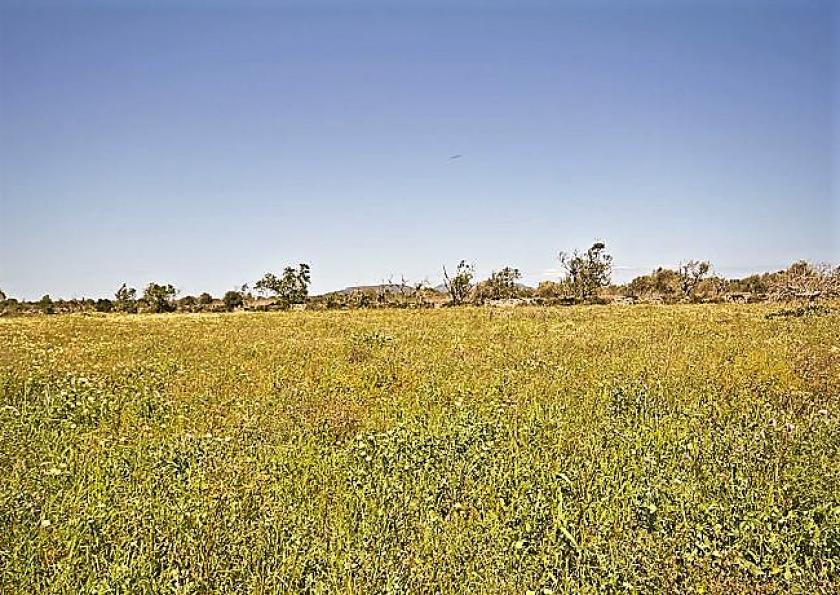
(587, 279)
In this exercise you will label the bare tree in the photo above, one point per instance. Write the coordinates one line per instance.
(690, 274)
(460, 285)
(419, 289)
(405, 289)
(802, 280)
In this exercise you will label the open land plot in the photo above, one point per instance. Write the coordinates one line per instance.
(581, 449)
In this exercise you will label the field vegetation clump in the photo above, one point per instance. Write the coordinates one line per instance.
(673, 449)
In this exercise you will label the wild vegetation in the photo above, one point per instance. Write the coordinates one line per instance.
(587, 279)
(655, 449)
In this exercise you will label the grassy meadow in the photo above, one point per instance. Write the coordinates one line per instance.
(673, 449)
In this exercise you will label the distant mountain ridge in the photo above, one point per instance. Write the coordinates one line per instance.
(394, 288)
(382, 287)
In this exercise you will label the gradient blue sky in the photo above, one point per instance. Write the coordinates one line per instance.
(206, 143)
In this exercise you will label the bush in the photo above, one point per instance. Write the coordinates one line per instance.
(103, 305)
(46, 305)
(159, 298)
(233, 300)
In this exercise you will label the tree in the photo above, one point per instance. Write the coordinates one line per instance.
(103, 305)
(500, 285)
(205, 299)
(755, 284)
(460, 285)
(587, 272)
(290, 288)
(552, 290)
(270, 283)
(690, 274)
(419, 290)
(662, 282)
(2, 296)
(46, 304)
(159, 298)
(803, 280)
(126, 299)
(639, 286)
(233, 300)
(711, 288)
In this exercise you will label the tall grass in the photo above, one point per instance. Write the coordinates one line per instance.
(689, 449)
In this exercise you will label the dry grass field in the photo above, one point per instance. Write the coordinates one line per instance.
(673, 449)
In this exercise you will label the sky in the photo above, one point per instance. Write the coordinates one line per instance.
(204, 144)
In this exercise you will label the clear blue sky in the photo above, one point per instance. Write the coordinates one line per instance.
(204, 144)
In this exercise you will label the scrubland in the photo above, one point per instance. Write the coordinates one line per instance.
(673, 449)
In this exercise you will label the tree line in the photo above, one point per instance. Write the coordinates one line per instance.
(586, 279)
